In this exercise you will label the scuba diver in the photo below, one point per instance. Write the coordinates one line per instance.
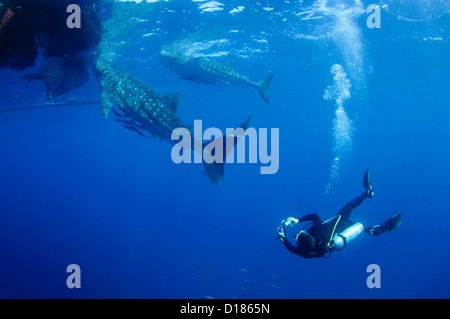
(29, 25)
(322, 238)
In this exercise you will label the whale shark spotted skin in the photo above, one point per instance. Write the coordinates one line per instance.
(154, 113)
(199, 69)
(143, 111)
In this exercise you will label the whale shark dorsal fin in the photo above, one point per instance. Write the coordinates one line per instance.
(172, 100)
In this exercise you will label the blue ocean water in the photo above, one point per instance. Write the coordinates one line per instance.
(76, 188)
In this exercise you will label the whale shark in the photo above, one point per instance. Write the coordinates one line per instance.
(62, 76)
(142, 110)
(198, 69)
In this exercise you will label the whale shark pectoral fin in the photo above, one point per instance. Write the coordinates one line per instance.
(108, 101)
(172, 100)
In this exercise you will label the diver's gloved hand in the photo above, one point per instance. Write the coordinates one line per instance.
(391, 224)
(291, 221)
(369, 191)
(374, 230)
(281, 232)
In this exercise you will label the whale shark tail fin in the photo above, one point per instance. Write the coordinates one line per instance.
(263, 87)
(215, 170)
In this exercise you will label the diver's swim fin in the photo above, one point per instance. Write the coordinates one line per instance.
(367, 184)
(391, 224)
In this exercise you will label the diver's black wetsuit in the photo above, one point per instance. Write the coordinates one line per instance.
(323, 231)
(317, 227)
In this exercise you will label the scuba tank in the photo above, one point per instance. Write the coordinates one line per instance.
(342, 239)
